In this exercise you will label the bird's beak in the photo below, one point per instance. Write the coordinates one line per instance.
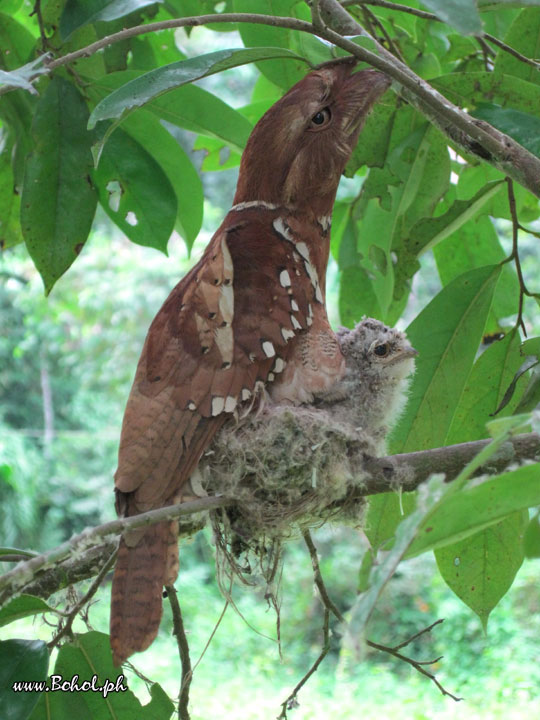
(409, 353)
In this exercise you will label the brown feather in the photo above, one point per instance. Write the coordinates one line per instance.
(247, 313)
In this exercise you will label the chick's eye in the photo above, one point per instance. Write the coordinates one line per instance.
(320, 119)
(381, 350)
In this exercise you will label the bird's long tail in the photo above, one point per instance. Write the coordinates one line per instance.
(145, 563)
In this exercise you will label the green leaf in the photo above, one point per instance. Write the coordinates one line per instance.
(135, 192)
(20, 660)
(476, 508)
(58, 199)
(471, 89)
(461, 14)
(427, 232)
(146, 129)
(77, 13)
(374, 141)
(531, 346)
(490, 377)
(356, 297)
(88, 655)
(189, 107)
(282, 73)
(524, 128)
(446, 334)
(382, 572)
(385, 512)
(151, 85)
(10, 204)
(523, 36)
(23, 606)
(16, 43)
(482, 568)
(531, 539)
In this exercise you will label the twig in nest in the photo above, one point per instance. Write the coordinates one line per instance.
(416, 664)
(183, 648)
(66, 630)
(291, 702)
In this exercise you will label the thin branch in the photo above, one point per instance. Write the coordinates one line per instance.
(14, 580)
(291, 701)
(514, 255)
(183, 649)
(430, 16)
(37, 11)
(317, 576)
(75, 610)
(416, 664)
(418, 634)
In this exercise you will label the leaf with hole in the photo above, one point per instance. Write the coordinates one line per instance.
(135, 192)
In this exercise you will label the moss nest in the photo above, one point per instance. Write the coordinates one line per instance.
(287, 469)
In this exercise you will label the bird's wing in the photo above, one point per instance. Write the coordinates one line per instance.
(230, 323)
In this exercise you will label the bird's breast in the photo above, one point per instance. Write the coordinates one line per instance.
(315, 364)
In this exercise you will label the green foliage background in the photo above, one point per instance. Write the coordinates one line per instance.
(420, 235)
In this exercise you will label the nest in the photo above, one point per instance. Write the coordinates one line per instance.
(288, 469)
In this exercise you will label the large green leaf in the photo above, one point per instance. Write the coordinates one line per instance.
(476, 508)
(23, 606)
(58, 199)
(190, 107)
(523, 36)
(446, 334)
(482, 568)
(77, 13)
(461, 14)
(21, 661)
(393, 199)
(16, 43)
(489, 379)
(281, 72)
(87, 656)
(151, 85)
(470, 89)
(521, 126)
(135, 192)
(185, 180)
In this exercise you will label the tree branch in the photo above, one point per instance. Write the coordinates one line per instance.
(398, 7)
(468, 134)
(82, 556)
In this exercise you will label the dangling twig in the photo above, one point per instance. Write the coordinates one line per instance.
(66, 629)
(183, 649)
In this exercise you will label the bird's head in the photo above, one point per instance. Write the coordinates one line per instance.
(373, 348)
(299, 148)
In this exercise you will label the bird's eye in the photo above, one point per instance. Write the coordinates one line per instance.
(381, 350)
(320, 119)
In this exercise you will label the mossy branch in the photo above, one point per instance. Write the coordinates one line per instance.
(84, 554)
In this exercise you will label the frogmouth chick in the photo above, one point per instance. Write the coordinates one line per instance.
(373, 392)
